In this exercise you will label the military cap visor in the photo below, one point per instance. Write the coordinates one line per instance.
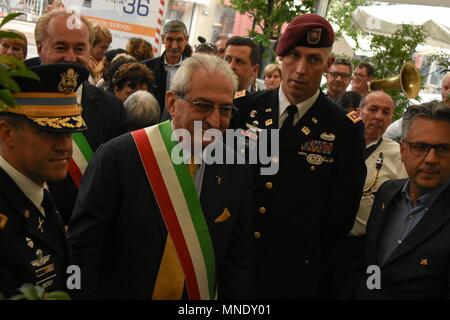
(51, 103)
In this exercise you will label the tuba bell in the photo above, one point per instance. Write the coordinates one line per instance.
(408, 81)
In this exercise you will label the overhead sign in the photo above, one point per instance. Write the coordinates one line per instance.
(124, 18)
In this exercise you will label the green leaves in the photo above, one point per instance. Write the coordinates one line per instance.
(10, 17)
(31, 292)
(269, 16)
(11, 67)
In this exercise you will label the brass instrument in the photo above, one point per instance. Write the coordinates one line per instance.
(408, 81)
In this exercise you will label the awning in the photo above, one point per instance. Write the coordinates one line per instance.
(386, 19)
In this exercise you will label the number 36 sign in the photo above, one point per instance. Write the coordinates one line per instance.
(124, 18)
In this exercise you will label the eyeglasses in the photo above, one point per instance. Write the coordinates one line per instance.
(359, 75)
(208, 107)
(421, 149)
(344, 76)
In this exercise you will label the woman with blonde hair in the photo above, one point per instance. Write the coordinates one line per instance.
(272, 76)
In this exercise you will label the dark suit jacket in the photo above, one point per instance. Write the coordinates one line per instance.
(118, 235)
(159, 89)
(304, 210)
(419, 268)
(22, 244)
(105, 117)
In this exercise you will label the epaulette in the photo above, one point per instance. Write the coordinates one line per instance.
(353, 116)
(240, 94)
(3, 220)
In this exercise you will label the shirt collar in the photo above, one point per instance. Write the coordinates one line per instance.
(173, 65)
(303, 106)
(32, 190)
(427, 199)
(373, 142)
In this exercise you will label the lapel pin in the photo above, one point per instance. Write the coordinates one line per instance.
(269, 122)
(30, 242)
(424, 262)
(41, 221)
(306, 130)
(3, 220)
(268, 110)
(314, 120)
(219, 180)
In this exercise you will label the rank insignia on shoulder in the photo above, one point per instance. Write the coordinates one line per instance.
(353, 116)
(3, 220)
(240, 94)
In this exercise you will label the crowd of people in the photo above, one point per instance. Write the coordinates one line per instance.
(91, 174)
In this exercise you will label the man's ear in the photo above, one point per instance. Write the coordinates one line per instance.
(402, 150)
(39, 49)
(255, 70)
(7, 133)
(330, 61)
(170, 102)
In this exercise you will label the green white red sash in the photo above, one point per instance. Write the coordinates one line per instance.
(180, 208)
(81, 155)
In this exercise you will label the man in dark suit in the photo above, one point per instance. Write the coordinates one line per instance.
(103, 112)
(35, 147)
(175, 38)
(242, 54)
(309, 205)
(408, 232)
(119, 231)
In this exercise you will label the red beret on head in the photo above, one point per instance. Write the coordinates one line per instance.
(307, 30)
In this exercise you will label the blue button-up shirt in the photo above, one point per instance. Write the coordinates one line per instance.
(404, 217)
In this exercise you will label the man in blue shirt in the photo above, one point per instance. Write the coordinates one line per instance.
(408, 233)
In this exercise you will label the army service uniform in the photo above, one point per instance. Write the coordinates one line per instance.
(310, 204)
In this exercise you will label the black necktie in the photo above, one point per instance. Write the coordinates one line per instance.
(288, 124)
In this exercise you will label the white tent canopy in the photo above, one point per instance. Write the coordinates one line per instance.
(439, 3)
(386, 19)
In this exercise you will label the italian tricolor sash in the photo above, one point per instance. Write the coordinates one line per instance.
(180, 208)
(81, 155)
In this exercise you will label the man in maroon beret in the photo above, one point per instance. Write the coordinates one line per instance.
(305, 209)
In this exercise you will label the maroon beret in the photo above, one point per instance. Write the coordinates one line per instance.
(307, 30)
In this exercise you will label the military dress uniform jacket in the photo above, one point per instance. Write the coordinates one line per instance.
(310, 204)
(28, 255)
(391, 168)
(419, 268)
(118, 235)
(105, 117)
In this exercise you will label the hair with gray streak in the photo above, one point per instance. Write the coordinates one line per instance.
(434, 110)
(181, 82)
(142, 110)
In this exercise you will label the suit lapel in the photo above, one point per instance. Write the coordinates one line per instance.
(27, 211)
(379, 218)
(213, 194)
(434, 218)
